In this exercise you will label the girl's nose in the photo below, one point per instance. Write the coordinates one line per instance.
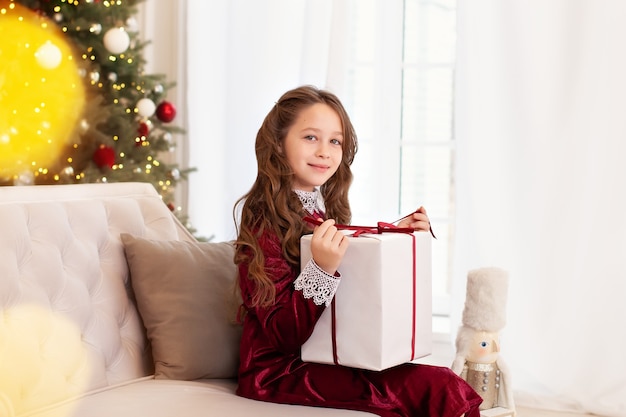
(322, 150)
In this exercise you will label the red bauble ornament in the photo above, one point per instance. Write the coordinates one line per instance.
(104, 157)
(166, 111)
(171, 206)
(143, 129)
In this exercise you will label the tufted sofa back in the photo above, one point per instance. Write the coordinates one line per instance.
(68, 322)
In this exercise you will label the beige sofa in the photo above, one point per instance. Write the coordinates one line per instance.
(109, 307)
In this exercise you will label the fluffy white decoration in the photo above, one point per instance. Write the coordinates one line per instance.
(485, 303)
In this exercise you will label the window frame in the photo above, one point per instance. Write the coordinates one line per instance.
(388, 67)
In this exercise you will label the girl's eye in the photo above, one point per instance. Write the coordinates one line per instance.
(335, 141)
(484, 344)
(309, 137)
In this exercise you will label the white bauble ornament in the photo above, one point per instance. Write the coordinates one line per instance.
(146, 107)
(84, 125)
(132, 25)
(24, 178)
(116, 40)
(95, 28)
(48, 55)
(67, 172)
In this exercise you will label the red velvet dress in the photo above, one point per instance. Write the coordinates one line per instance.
(271, 369)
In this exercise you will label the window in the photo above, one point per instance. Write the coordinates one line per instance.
(400, 97)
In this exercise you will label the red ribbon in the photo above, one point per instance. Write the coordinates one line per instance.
(333, 331)
(381, 227)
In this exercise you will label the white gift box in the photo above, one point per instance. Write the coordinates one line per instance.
(383, 305)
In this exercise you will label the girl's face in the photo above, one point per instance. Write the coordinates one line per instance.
(313, 146)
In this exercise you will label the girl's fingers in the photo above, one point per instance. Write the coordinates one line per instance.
(420, 217)
(418, 220)
(338, 238)
(323, 228)
(328, 245)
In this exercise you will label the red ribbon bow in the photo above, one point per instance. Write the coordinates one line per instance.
(381, 227)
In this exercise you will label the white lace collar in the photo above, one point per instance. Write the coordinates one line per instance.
(312, 201)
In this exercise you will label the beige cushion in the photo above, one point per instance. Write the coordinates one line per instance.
(185, 297)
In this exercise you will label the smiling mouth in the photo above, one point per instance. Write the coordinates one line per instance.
(319, 167)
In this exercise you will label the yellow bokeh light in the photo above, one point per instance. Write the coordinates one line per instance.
(41, 92)
(48, 360)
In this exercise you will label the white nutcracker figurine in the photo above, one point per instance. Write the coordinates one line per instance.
(477, 358)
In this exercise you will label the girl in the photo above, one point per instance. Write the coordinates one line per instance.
(304, 150)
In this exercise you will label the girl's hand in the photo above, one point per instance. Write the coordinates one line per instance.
(328, 245)
(418, 221)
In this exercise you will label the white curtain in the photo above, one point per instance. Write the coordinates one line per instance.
(541, 129)
(242, 55)
(540, 180)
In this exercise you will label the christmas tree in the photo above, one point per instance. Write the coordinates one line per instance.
(75, 103)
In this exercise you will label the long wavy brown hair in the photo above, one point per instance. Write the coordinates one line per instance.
(271, 205)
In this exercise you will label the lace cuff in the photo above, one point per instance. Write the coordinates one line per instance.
(317, 284)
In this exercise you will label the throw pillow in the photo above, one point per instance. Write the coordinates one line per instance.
(184, 293)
